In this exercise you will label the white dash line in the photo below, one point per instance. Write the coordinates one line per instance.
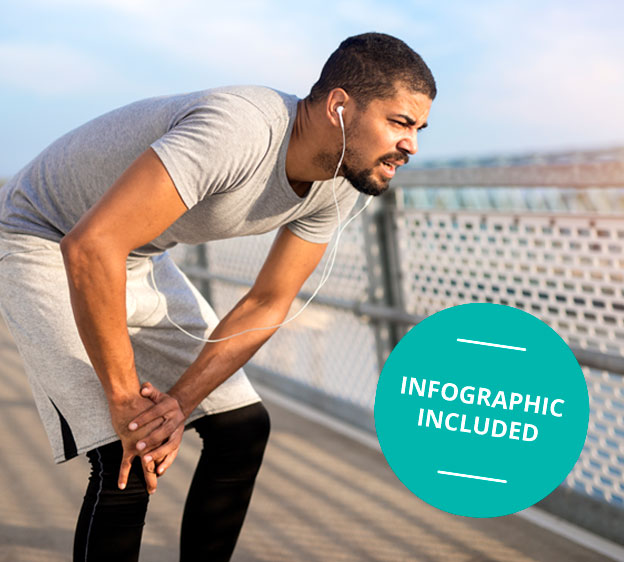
(492, 344)
(471, 476)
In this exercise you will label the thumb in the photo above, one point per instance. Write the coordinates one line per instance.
(148, 390)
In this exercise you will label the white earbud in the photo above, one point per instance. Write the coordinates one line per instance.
(339, 110)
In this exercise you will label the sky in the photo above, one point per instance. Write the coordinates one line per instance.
(512, 76)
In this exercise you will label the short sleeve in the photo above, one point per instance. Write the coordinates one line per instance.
(319, 227)
(214, 146)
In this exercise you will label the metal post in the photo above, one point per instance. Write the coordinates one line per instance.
(389, 244)
(202, 262)
(377, 293)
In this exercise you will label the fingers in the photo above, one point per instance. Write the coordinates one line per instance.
(167, 462)
(166, 453)
(152, 413)
(163, 404)
(151, 479)
(124, 469)
(163, 433)
(148, 390)
(157, 433)
(132, 438)
(157, 423)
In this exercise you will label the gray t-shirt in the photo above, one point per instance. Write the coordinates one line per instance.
(224, 148)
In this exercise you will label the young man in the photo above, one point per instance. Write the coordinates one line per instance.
(99, 208)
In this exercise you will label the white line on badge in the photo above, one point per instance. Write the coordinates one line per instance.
(471, 476)
(492, 344)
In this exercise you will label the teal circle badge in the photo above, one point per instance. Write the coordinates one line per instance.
(481, 410)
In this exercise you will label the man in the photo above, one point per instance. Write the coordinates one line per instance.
(97, 210)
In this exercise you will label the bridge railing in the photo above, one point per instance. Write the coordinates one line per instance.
(409, 256)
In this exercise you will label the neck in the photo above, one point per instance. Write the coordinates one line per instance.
(309, 139)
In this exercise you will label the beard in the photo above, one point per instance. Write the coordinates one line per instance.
(363, 180)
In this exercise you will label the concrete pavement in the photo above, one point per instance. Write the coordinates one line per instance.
(320, 496)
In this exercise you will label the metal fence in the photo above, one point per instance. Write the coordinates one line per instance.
(412, 255)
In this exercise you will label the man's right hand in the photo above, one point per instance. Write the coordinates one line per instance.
(122, 413)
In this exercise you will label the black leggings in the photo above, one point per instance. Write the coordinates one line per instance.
(111, 521)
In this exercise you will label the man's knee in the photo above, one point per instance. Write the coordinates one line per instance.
(125, 507)
(261, 421)
(235, 440)
(249, 422)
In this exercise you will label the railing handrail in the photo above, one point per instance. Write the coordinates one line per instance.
(596, 174)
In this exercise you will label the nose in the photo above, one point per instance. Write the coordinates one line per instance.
(409, 143)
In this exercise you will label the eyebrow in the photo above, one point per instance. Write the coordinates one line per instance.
(411, 122)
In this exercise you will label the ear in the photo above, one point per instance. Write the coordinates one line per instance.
(335, 99)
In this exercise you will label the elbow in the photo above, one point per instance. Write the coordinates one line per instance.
(70, 248)
(67, 245)
(75, 241)
(76, 257)
(75, 249)
(80, 246)
(79, 253)
(90, 262)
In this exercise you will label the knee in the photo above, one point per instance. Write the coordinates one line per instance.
(250, 424)
(126, 506)
(254, 435)
(238, 436)
(257, 426)
(261, 422)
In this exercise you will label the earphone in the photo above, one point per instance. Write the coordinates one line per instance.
(325, 275)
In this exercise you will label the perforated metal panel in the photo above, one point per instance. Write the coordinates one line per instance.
(568, 270)
(600, 470)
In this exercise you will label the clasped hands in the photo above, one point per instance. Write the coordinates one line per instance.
(150, 427)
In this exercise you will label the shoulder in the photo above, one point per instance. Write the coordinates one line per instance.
(235, 108)
(271, 104)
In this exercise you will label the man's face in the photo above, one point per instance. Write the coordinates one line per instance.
(382, 137)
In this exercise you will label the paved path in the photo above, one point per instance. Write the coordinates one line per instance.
(320, 497)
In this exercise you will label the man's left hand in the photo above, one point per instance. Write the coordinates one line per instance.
(163, 443)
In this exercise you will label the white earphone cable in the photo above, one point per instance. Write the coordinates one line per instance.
(324, 277)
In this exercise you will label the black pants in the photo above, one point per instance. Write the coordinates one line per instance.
(111, 521)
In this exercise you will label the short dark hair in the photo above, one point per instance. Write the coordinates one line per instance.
(369, 66)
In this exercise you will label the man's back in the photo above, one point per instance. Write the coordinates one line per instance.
(230, 142)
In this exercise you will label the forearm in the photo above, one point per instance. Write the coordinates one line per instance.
(218, 361)
(97, 286)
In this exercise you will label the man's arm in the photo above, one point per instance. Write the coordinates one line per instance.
(137, 208)
(289, 263)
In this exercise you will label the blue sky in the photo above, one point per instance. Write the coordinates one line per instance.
(512, 76)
